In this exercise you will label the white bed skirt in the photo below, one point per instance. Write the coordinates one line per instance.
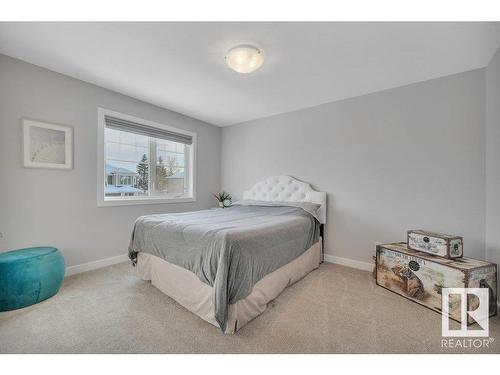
(185, 287)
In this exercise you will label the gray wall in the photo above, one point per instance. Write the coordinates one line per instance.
(54, 207)
(493, 160)
(404, 158)
(410, 157)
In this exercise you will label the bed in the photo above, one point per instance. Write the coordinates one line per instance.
(226, 264)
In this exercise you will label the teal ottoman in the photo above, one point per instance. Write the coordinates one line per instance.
(30, 275)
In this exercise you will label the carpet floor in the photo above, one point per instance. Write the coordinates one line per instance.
(334, 309)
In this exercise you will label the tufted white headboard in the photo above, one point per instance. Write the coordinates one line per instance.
(287, 189)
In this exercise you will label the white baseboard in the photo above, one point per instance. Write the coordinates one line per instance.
(84, 267)
(79, 268)
(365, 266)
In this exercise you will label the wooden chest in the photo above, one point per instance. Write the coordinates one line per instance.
(443, 245)
(420, 277)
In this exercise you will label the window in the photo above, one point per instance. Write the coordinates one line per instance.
(143, 162)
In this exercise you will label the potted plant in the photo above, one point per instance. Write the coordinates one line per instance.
(224, 199)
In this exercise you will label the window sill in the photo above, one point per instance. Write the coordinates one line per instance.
(138, 201)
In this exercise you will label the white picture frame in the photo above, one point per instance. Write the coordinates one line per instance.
(47, 145)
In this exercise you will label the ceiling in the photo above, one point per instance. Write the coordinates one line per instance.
(180, 66)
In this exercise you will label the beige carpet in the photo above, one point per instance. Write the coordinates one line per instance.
(333, 310)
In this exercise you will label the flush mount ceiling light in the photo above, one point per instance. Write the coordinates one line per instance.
(244, 58)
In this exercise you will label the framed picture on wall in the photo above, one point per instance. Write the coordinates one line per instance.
(47, 145)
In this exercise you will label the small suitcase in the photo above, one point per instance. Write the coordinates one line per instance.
(443, 245)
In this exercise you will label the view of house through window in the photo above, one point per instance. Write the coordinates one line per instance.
(144, 165)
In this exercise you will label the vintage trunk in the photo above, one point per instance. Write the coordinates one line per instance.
(443, 245)
(420, 277)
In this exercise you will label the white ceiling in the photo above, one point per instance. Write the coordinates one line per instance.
(180, 66)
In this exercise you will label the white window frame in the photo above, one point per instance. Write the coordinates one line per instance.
(102, 200)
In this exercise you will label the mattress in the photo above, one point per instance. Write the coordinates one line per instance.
(186, 288)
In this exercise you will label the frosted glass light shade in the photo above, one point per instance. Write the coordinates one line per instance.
(244, 59)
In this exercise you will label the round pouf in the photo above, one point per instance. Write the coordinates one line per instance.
(28, 276)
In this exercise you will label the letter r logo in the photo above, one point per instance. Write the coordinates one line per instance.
(478, 313)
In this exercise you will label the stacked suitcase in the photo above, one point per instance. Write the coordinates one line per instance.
(428, 262)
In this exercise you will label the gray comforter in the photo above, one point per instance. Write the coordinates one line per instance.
(229, 249)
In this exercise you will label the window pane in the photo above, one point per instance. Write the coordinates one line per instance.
(169, 167)
(127, 164)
